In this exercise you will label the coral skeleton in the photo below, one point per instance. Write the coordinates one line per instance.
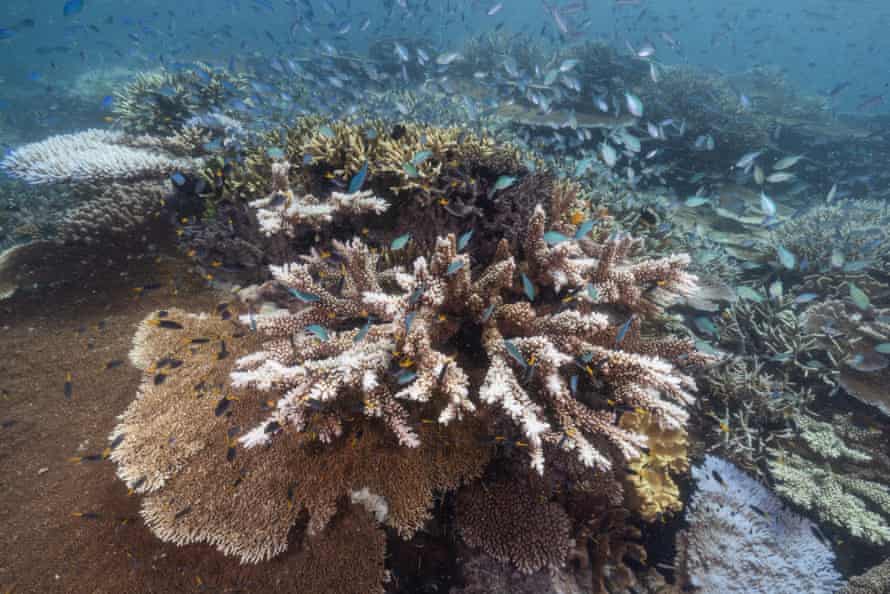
(741, 539)
(94, 156)
(562, 369)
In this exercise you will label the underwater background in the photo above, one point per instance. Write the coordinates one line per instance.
(446, 296)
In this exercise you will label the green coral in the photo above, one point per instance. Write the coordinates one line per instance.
(854, 505)
(824, 441)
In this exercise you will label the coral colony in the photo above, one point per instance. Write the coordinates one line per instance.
(446, 333)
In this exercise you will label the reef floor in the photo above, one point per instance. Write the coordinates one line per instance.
(70, 526)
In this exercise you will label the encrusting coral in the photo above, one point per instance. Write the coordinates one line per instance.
(652, 492)
(741, 539)
(561, 368)
(176, 445)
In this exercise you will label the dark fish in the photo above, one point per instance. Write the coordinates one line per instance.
(69, 387)
(182, 512)
(160, 378)
(222, 406)
(85, 515)
(114, 363)
(223, 353)
(168, 324)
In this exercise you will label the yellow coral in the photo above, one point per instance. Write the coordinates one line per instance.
(651, 491)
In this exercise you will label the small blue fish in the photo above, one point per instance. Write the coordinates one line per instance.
(586, 358)
(7, 33)
(107, 102)
(592, 292)
(486, 315)
(405, 377)
(805, 298)
(573, 384)
(528, 287)
(513, 351)
(409, 320)
(319, 331)
(307, 159)
(454, 267)
(410, 170)
(326, 131)
(275, 153)
(420, 157)
(554, 238)
(415, 296)
(178, 179)
(304, 297)
(362, 332)
(400, 242)
(358, 180)
(503, 182)
(622, 332)
(585, 228)
(464, 240)
(72, 7)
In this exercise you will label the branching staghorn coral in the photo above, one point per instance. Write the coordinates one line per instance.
(741, 539)
(855, 505)
(846, 240)
(94, 156)
(281, 211)
(160, 102)
(176, 444)
(561, 368)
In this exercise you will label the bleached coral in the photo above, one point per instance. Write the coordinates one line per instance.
(562, 371)
(741, 539)
(282, 210)
(93, 156)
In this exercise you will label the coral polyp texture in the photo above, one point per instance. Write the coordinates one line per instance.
(511, 523)
(551, 337)
(742, 539)
(94, 156)
(177, 445)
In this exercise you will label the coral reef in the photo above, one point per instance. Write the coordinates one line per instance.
(161, 102)
(841, 500)
(837, 243)
(177, 445)
(874, 581)
(281, 211)
(114, 210)
(512, 523)
(339, 349)
(650, 490)
(94, 156)
(741, 539)
(850, 337)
